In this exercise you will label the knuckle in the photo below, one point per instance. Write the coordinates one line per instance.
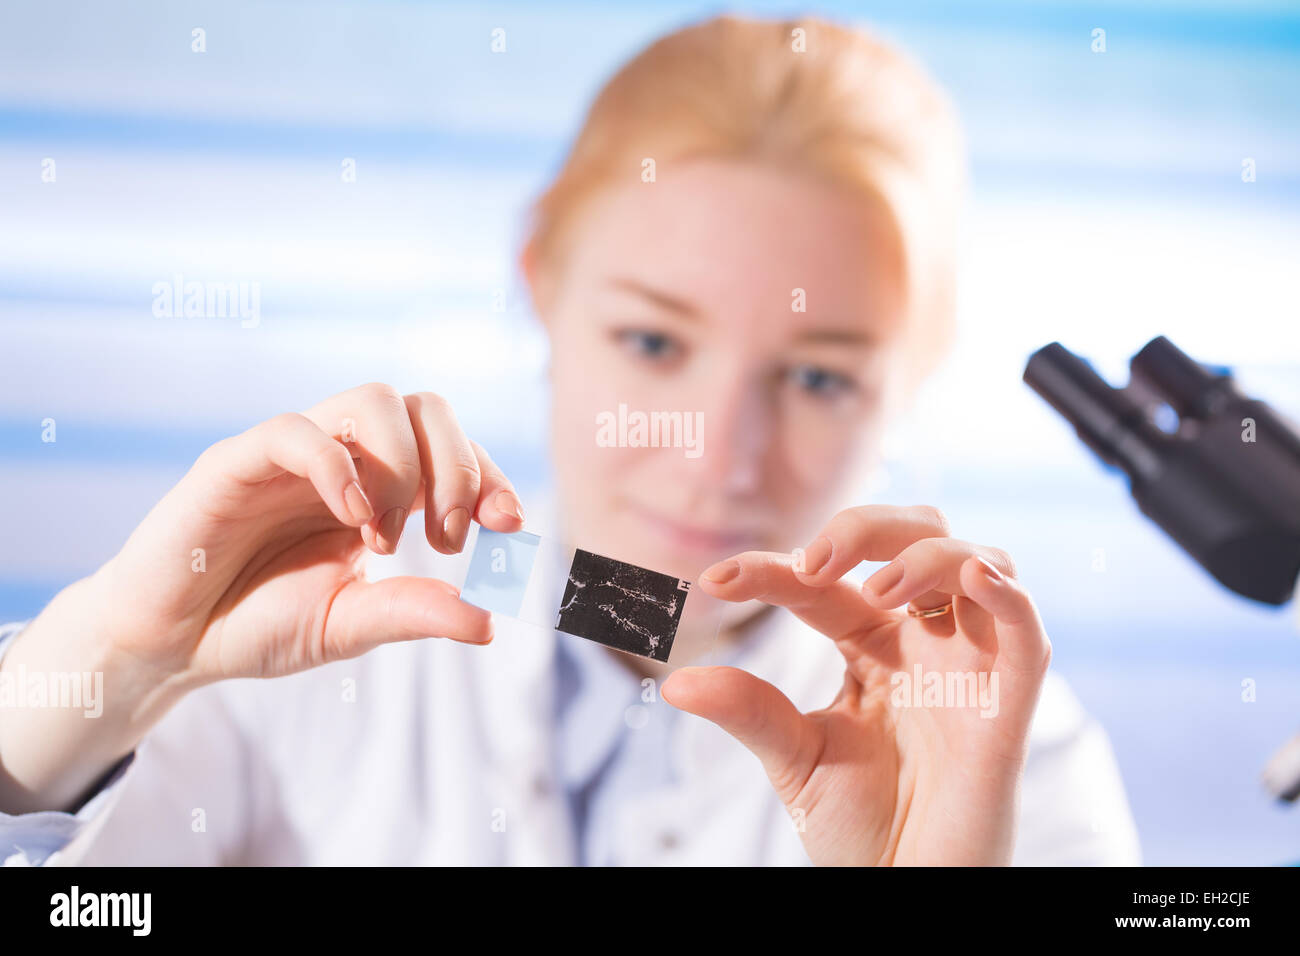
(431, 401)
(210, 462)
(332, 455)
(381, 394)
(464, 474)
(214, 452)
(284, 428)
(856, 525)
(283, 422)
(936, 519)
(857, 519)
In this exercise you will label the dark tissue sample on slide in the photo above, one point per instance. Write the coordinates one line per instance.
(622, 606)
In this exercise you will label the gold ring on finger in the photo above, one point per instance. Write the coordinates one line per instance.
(925, 613)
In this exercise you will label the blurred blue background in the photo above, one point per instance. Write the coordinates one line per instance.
(1108, 207)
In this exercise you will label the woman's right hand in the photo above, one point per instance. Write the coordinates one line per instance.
(253, 566)
(276, 512)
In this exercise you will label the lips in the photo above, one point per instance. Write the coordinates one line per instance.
(694, 537)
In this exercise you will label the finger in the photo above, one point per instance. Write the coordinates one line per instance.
(498, 505)
(366, 614)
(755, 713)
(928, 573)
(1023, 645)
(867, 533)
(976, 624)
(292, 444)
(450, 466)
(372, 420)
(837, 609)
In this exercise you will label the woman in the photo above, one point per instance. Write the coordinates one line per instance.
(756, 227)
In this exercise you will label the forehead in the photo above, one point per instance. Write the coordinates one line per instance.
(738, 238)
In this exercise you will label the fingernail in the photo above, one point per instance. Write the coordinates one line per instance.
(886, 578)
(508, 504)
(722, 572)
(816, 555)
(454, 528)
(990, 572)
(390, 529)
(358, 504)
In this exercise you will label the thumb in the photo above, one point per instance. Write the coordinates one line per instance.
(366, 614)
(755, 713)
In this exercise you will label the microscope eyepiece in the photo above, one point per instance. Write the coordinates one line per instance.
(1226, 487)
(1107, 419)
(1188, 387)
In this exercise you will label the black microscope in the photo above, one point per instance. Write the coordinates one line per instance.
(1224, 484)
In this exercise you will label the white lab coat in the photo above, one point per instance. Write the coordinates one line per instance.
(442, 753)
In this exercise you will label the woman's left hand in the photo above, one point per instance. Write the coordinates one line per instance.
(887, 774)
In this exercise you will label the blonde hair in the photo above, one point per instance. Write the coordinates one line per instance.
(845, 106)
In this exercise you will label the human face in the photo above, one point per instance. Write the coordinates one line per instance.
(682, 295)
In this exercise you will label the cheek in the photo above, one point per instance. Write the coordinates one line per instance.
(584, 384)
(816, 462)
(591, 378)
(823, 456)
(852, 440)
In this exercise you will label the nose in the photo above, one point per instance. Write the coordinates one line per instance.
(736, 430)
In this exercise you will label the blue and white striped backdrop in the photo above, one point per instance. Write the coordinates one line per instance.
(1109, 207)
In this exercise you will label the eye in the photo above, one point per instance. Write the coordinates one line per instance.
(820, 382)
(654, 346)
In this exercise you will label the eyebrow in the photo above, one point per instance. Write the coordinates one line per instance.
(671, 303)
(660, 298)
(836, 337)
